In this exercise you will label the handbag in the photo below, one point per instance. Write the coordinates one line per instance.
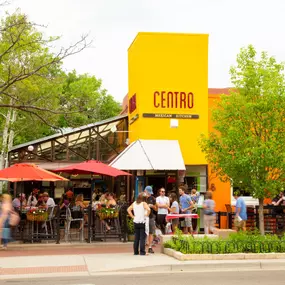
(14, 219)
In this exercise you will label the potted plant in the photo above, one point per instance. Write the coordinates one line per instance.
(131, 229)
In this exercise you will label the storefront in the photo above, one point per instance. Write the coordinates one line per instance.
(169, 108)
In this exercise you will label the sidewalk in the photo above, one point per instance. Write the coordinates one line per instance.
(118, 263)
(47, 249)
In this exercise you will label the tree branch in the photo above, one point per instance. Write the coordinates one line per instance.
(31, 107)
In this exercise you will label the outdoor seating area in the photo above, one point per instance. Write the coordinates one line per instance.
(72, 218)
(64, 225)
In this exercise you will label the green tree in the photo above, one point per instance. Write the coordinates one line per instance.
(30, 78)
(248, 144)
(86, 90)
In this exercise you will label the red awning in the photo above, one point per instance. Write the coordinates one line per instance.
(28, 172)
(92, 167)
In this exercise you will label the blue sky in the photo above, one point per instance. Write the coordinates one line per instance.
(113, 24)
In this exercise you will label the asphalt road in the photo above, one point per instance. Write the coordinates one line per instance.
(204, 278)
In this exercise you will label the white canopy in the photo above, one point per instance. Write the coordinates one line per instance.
(150, 155)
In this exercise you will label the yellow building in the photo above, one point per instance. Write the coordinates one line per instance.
(168, 105)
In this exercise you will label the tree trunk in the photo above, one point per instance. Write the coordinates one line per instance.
(11, 137)
(5, 139)
(4, 144)
(261, 216)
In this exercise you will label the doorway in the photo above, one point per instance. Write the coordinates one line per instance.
(156, 182)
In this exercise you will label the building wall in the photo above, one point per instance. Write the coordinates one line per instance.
(222, 190)
(173, 63)
(168, 74)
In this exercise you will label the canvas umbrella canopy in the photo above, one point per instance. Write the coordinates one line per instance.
(28, 172)
(92, 167)
(21, 172)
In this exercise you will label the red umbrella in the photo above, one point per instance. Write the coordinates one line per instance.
(28, 172)
(94, 167)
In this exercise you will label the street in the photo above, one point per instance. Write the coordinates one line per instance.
(202, 278)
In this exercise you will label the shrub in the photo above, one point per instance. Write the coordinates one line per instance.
(236, 243)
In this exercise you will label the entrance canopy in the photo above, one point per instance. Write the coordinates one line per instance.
(150, 155)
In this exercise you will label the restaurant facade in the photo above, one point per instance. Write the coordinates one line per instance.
(167, 109)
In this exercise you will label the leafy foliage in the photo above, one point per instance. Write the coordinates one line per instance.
(32, 84)
(248, 143)
(249, 242)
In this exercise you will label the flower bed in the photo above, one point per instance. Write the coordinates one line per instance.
(235, 243)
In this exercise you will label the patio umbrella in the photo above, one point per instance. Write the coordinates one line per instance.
(28, 172)
(92, 167)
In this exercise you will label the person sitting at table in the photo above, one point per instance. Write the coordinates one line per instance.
(64, 201)
(104, 199)
(111, 202)
(69, 194)
(17, 201)
(49, 202)
(78, 209)
(33, 198)
(41, 202)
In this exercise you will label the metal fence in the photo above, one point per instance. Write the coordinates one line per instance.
(55, 228)
(274, 219)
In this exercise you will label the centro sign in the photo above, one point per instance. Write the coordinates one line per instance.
(173, 99)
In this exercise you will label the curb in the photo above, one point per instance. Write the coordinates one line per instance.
(231, 256)
(206, 266)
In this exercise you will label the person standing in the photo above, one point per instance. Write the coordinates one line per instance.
(240, 212)
(174, 209)
(137, 211)
(6, 210)
(150, 200)
(209, 213)
(186, 205)
(162, 203)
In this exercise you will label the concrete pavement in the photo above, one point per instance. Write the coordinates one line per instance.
(119, 263)
(181, 278)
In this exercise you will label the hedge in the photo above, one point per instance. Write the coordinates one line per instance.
(235, 243)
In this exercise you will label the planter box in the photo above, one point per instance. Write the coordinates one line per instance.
(231, 256)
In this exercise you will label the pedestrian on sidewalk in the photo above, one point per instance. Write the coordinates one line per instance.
(186, 204)
(150, 200)
(138, 211)
(241, 214)
(174, 209)
(209, 213)
(163, 204)
(5, 211)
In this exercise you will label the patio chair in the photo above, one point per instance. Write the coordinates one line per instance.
(69, 221)
(49, 221)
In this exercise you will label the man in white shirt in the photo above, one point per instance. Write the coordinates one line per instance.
(162, 203)
(49, 202)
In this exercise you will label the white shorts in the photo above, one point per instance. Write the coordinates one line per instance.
(147, 226)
